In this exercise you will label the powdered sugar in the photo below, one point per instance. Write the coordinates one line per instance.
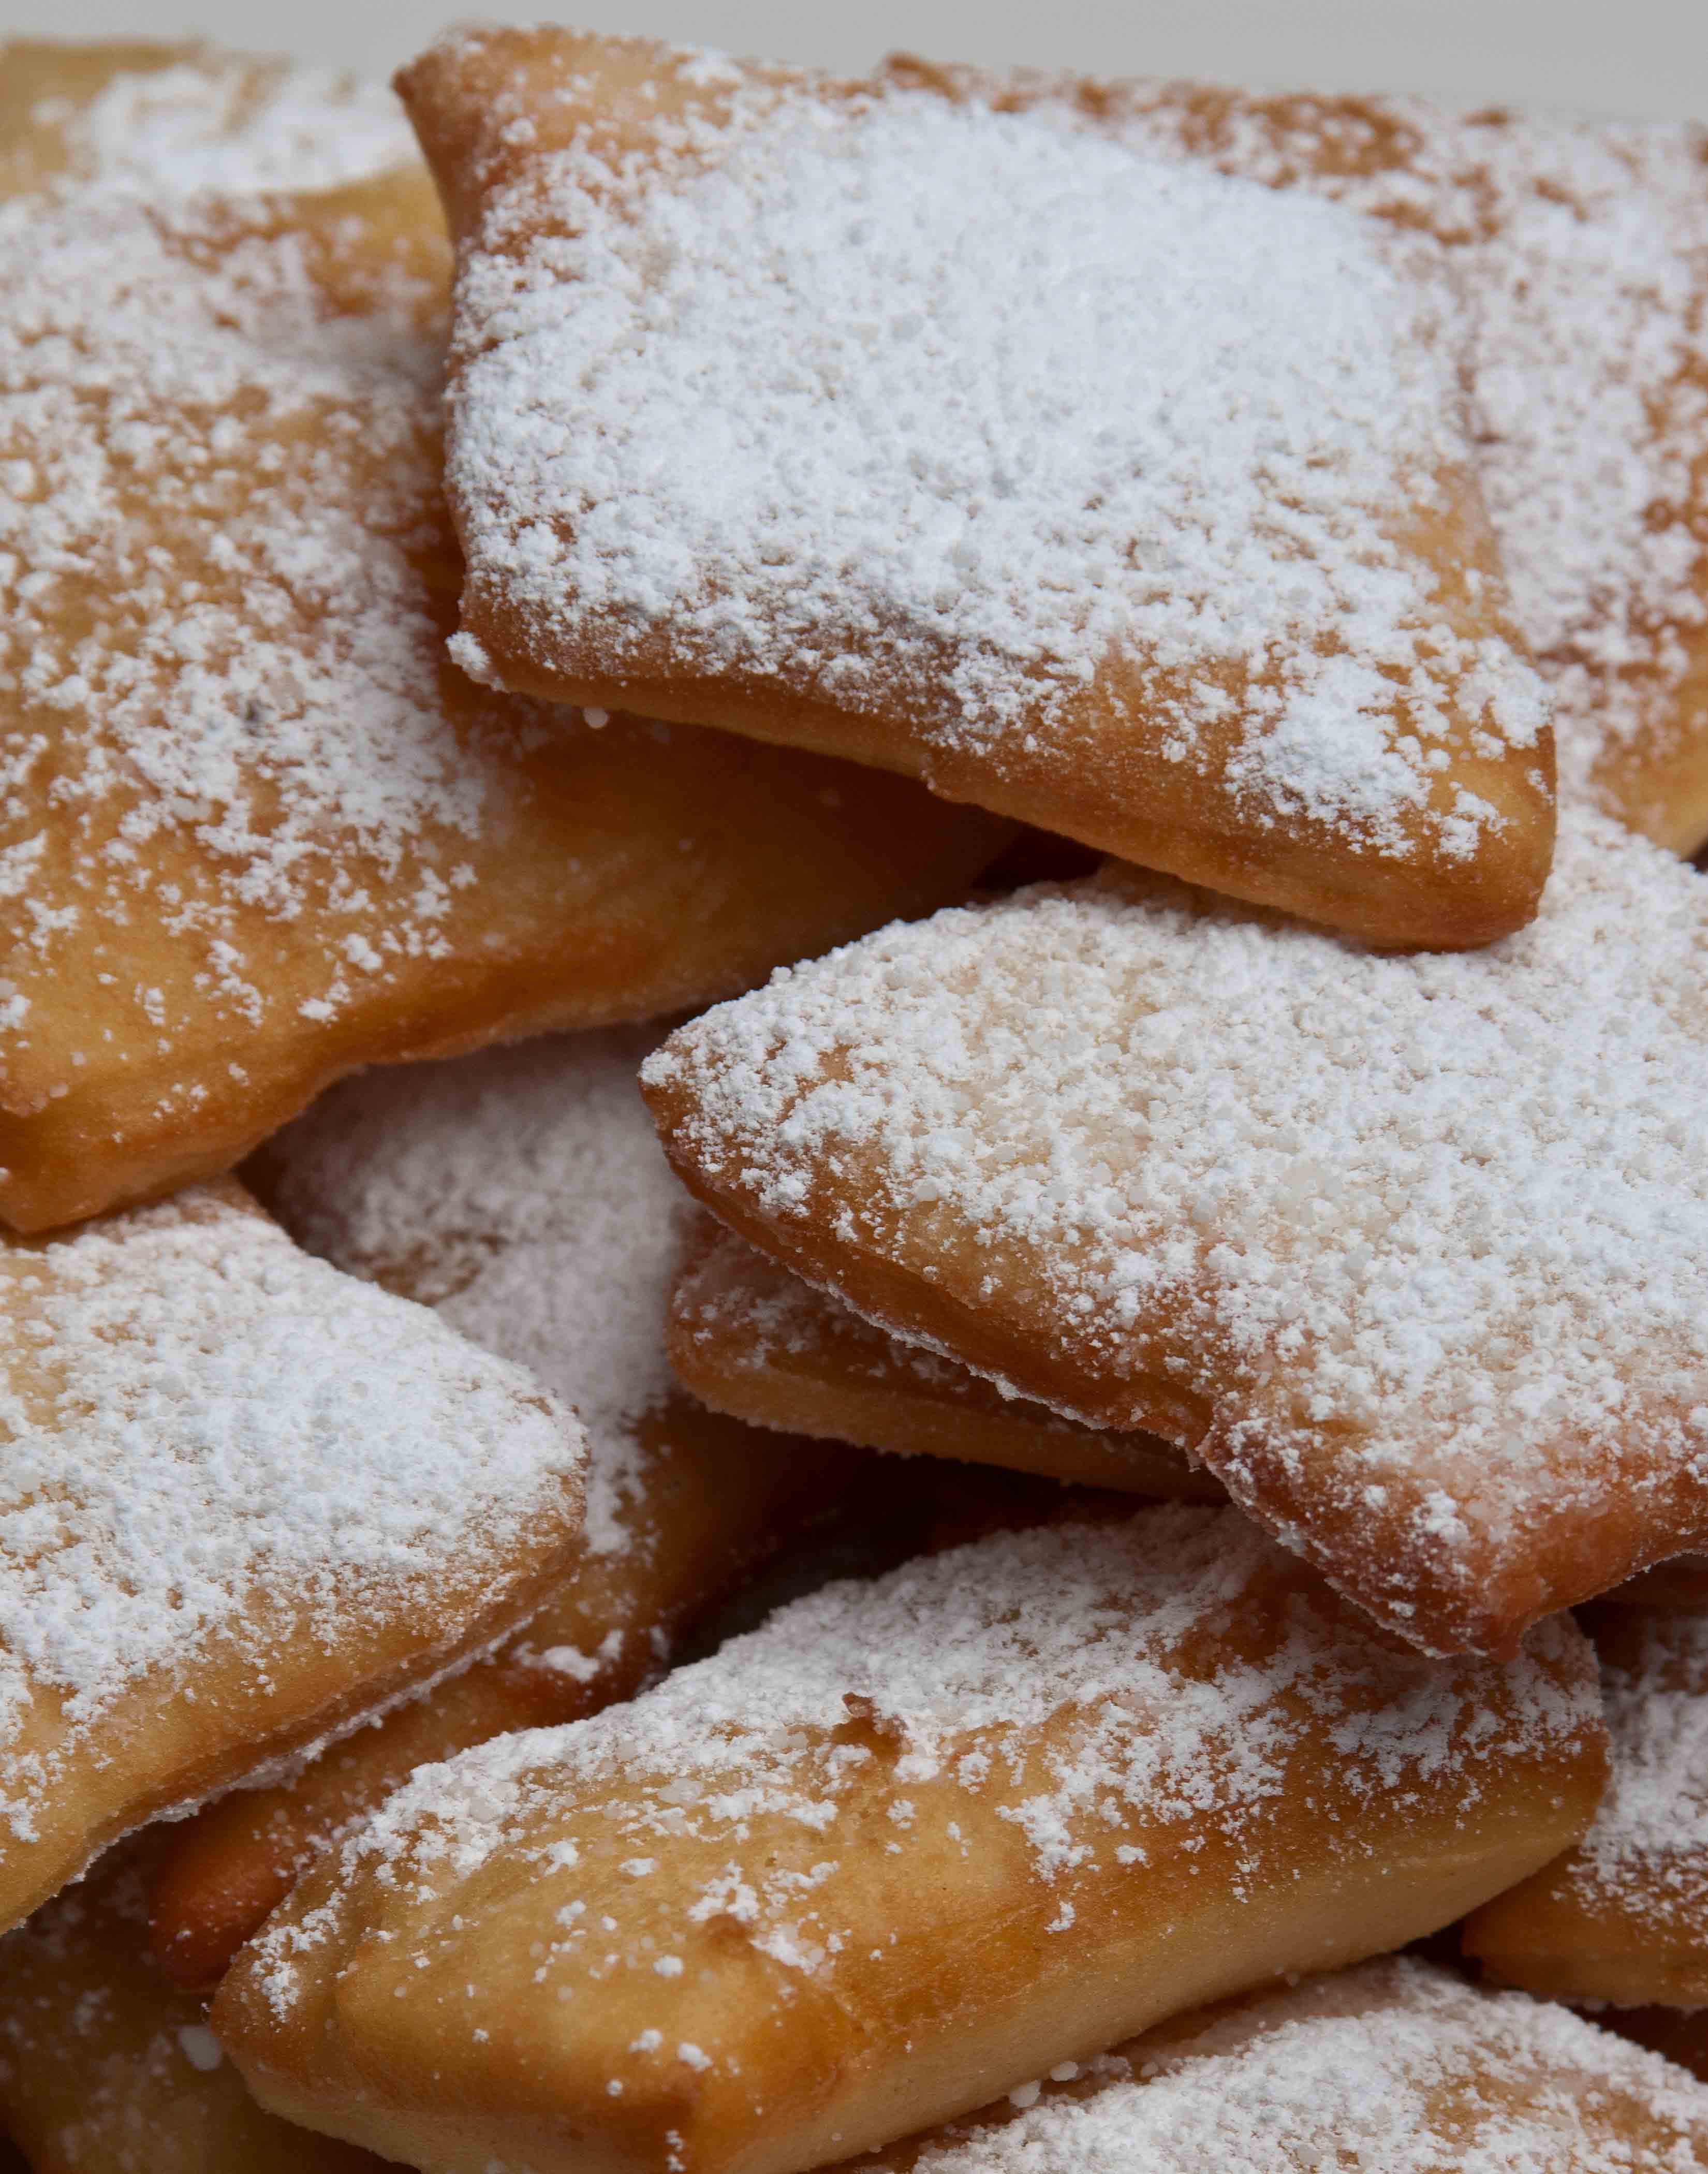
(202, 1421)
(212, 121)
(216, 648)
(1096, 1684)
(1426, 1235)
(1581, 247)
(521, 1193)
(1395, 2066)
(908, 405)
(1648, 1853)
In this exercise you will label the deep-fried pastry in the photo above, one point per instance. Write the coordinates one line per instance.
(522, 1193)
(246, 1502)
(1581, 246)
(256, 830)
(903, 1848)
(107, 2068)
(1394, 2068)
(750, 1339)
(168, 119)
(1623, 1916)
(980, 450)
(1412, 1253)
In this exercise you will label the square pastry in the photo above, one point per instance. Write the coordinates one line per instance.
(1412, 1253)
(1123, 496)
(247, 1502)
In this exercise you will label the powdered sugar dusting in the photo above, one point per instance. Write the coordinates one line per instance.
(1093, 1684)
(1396, 2065)
(901, 403)
(212, 121)
(200, 1419)
(1582, 248)
(219, 654)
(1428, 1235)
(522, 1193)
(1648, 1853)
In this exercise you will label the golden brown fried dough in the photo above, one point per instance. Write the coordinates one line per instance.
(245, 1502)
(750, 1339)
(107, 2068)
(522, 1193)
(1579, 246)
(1394, 2068)
(167, 119)
(257, 830)
(1412, 1253)
(906, 1847)
(1623, 1916)
(973, 448)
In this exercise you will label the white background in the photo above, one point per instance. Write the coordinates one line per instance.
(1631, 56)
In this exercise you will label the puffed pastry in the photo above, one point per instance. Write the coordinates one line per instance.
(106, 2067)
(257, 830)
(748, 1339)
(908, 1845)
(850, 418)
(1430, 1300)
(245, 1502)
(1623, 1916)
(521, 1192)
(1579, 245)
(1395, 2067)
(171, 119)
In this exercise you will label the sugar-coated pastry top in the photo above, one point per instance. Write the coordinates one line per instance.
(1116, 1680)
(1427, 1237)
(522, 1195)
(929, 406)
(1647, 1851)
(202, 1426)
(1581, 250)
(192, 117)
(213, 478)
(1394, 2068)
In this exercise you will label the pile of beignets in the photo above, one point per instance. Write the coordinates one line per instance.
(852, 1037)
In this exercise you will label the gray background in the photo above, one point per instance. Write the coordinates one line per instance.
(1631, 55)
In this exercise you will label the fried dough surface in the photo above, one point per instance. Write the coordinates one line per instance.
(1581, 247)
(907, 1846)
(257, 830)
(247, 1502)
(1393, 2067)
(106, 2067)
(521, 1193)
(1622, 1917)
(1139, 1154)
(818, 411)
(170, 119)
(748, 1339)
